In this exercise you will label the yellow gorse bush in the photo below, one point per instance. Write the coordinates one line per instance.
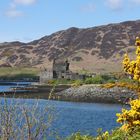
(130, 118)
(130, 86)
(126, 63)
(133, 67)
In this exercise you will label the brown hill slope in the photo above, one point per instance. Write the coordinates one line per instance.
(98, 49)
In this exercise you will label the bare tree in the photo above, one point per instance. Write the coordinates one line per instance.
(24, 121)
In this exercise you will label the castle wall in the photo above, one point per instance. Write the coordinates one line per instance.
(46, 76)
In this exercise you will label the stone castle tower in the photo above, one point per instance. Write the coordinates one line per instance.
(61, 69)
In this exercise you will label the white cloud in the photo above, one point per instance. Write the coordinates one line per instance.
(115, 4)
(89, 7)
(13, 13)
(24, 2)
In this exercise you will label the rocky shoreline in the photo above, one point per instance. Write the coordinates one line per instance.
(95, 93)
(85, 93)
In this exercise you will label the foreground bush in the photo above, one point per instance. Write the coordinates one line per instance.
(116, 134)
(19, 121)
(130, 118)
(78, 136)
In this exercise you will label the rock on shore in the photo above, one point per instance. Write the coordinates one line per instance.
(95, 93)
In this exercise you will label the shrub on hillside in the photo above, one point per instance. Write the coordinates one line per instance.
(94, 80)
(111, 81)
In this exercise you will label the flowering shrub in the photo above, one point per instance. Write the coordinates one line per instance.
(130, 86)
(130, 118)
(133, 67)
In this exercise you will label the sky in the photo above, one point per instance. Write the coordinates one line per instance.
(27, 20)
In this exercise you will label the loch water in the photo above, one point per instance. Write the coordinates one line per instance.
(74, 117)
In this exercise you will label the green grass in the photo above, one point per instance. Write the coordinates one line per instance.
(60, 81)
(18, 73)
(98, 79)
(17, 70)
(116, 134)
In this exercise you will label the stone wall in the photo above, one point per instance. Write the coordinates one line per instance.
(45, 76)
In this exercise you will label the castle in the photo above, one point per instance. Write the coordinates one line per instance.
(60, 70)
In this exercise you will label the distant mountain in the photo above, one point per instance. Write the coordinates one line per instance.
(97, 49)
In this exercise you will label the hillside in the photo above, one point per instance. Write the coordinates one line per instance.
(97, 49)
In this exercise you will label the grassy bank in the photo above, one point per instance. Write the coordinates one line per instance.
(18, 73)
(116, 134)
(98, 79)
